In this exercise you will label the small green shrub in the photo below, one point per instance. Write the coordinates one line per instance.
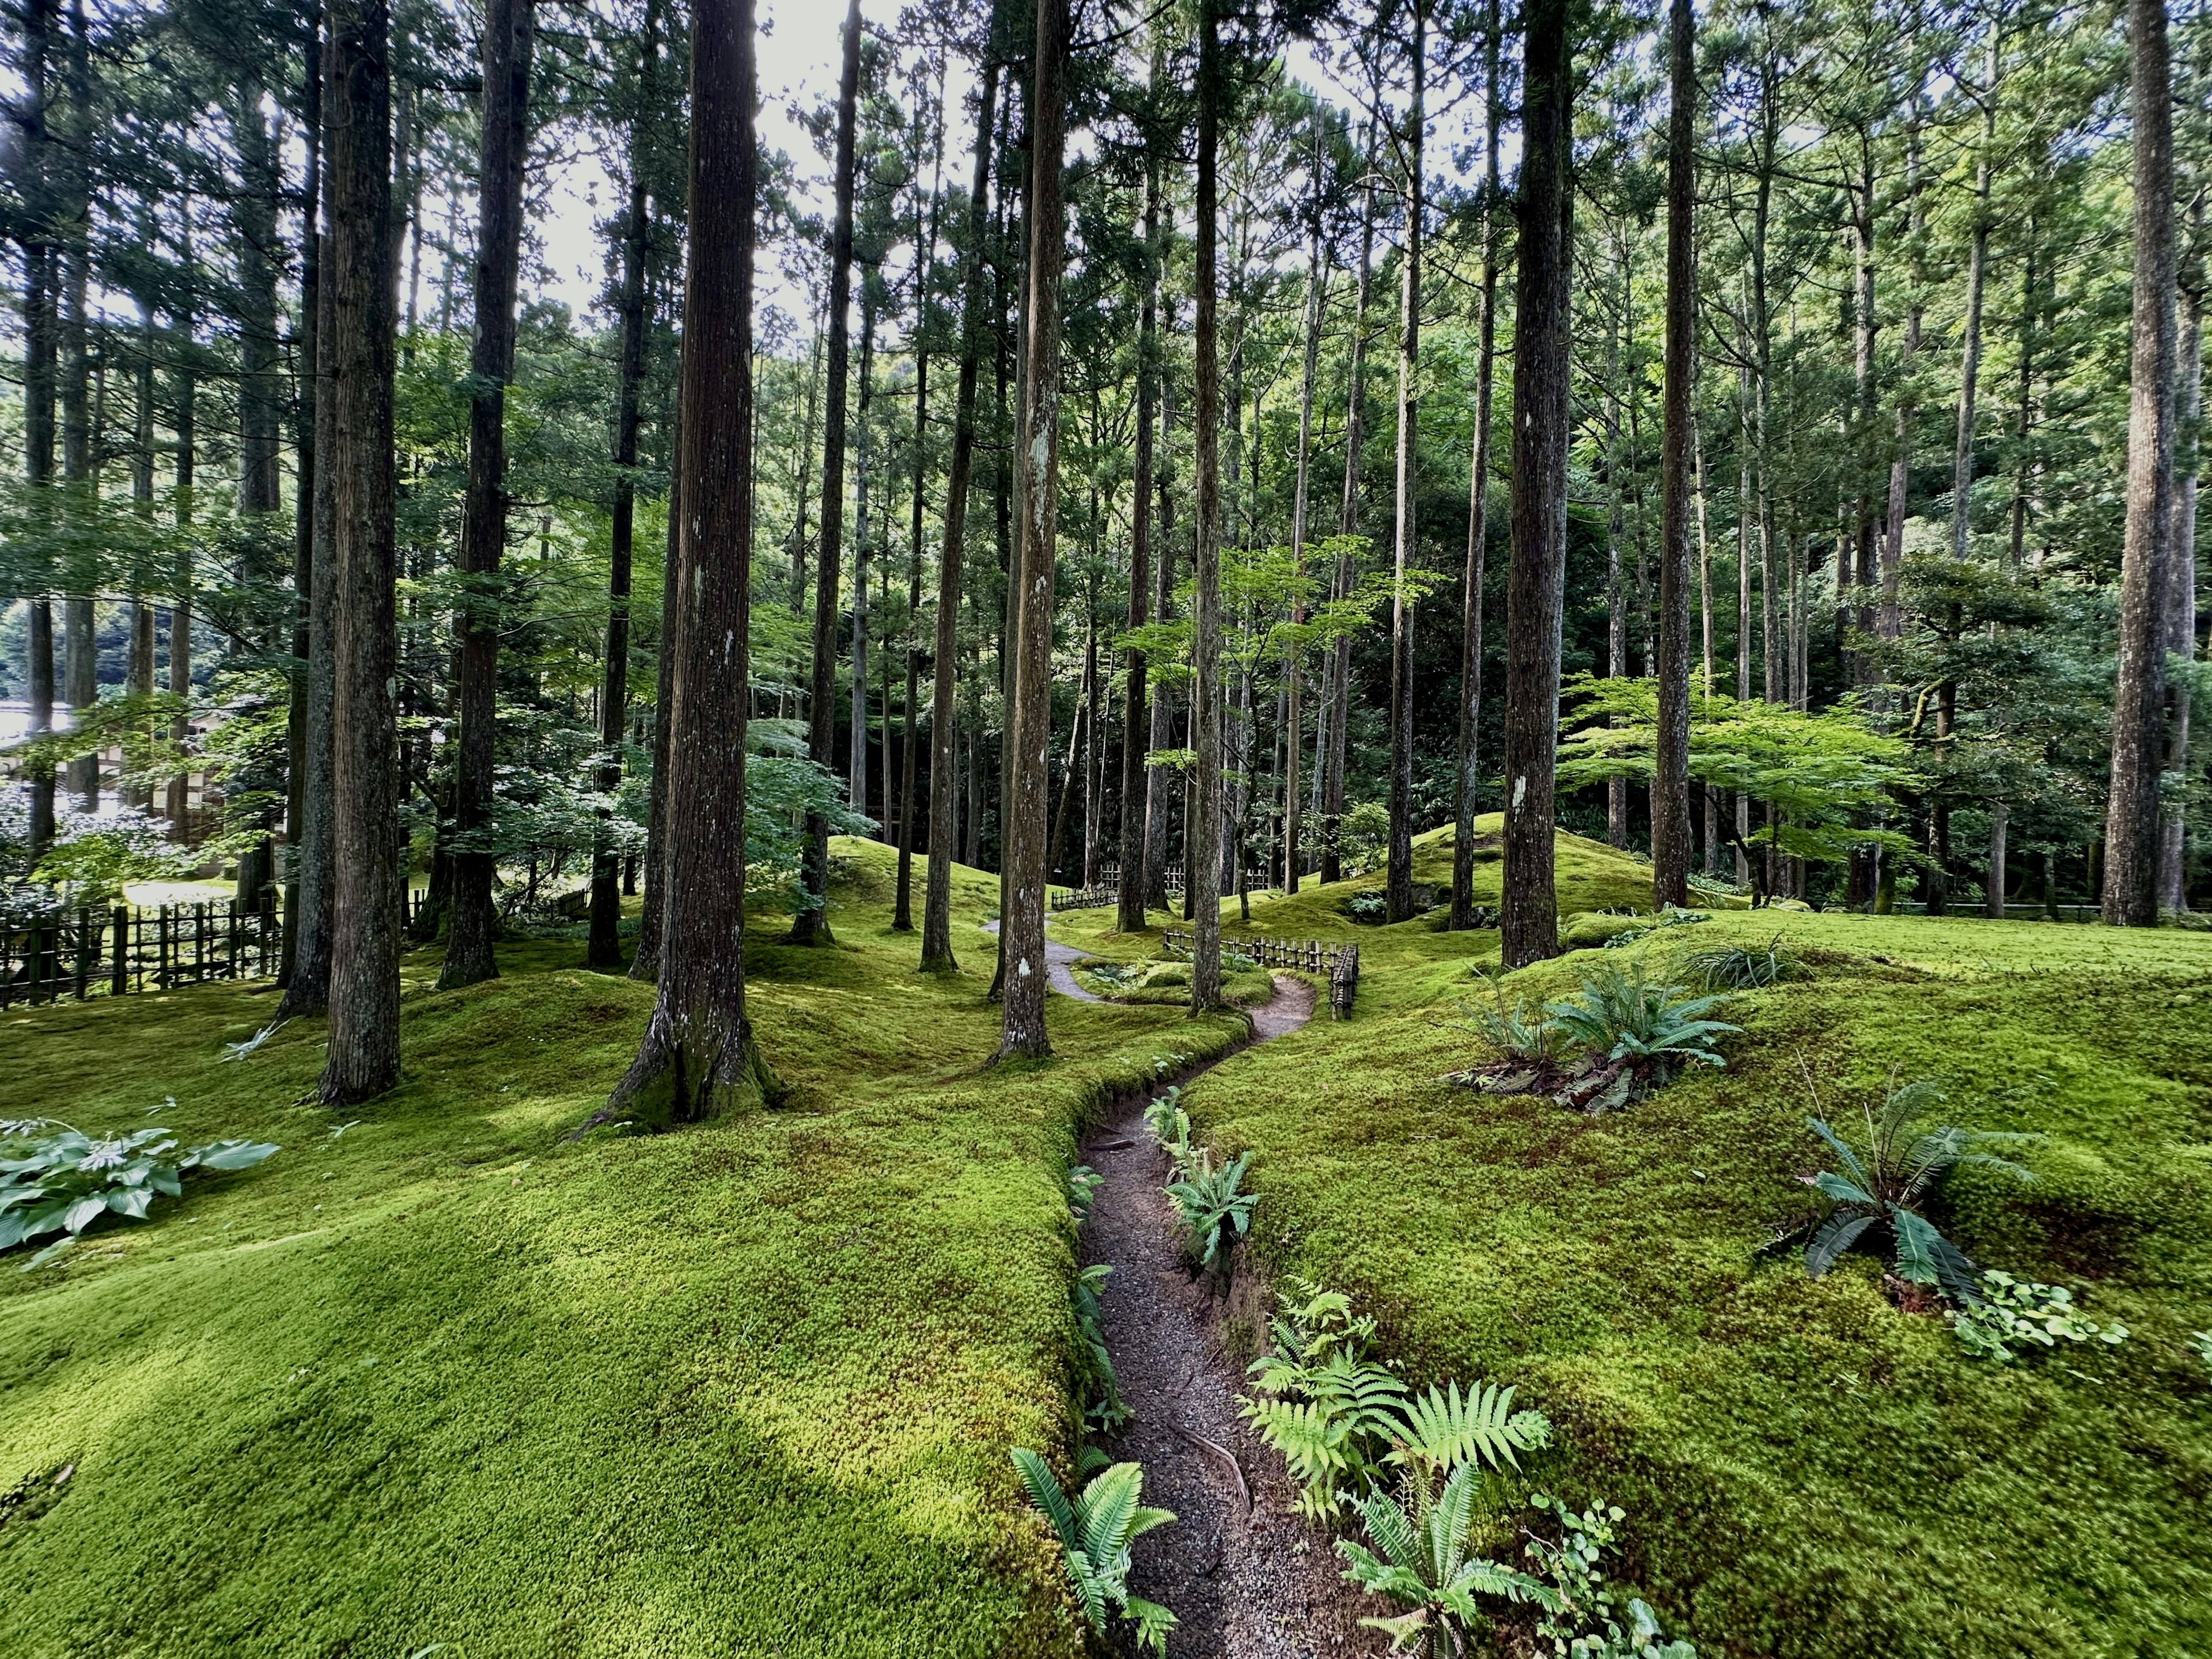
(2013, 1312)
(1578, 1621)
(1887, 1181)
(1095, 1532)
(1370, 908)
(1083, 1185)
(1165, 1117)
(55, 1179)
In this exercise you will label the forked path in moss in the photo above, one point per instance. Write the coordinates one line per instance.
(1245, 1577)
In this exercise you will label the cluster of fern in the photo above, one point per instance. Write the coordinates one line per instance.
(1409, 1466)
(1210, 1198)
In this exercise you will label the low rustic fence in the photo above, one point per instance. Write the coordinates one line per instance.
(1083, 899)
(84, 951)
(1340, 961)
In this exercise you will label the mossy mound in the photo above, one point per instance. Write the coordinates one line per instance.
(434, 1374)
(1809, 1472)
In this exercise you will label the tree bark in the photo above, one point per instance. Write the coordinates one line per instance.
(298, 718)
(1671, 790)
(902, 907)
(2129, 891)
(41, 271)
(1541, 431)
(1308, 365)
(508, 35)
(1478, 494)
(1398, 882)
(653, 915)
(811, 925)
(1023, 1034)
(364, 999)
(1160, 780)
(952, 546)
(603, 946)
(699, 1058)
(79, 660)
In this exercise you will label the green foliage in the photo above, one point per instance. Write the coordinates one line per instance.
(92, 859)
(1888, 1180)
(1363, 834)
(1421, 1562)
(1520, 1031)
(1095, 1533)
(1442, 1429)
(1169, 1124)
(1743, 967)
(2016, 1312)
(1215, 1210)
(55, 1179)
(1083, 1185)
(1108, 1411)
(1622, 1016)
(1579, 1618)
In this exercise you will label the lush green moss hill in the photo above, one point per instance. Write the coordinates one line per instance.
(434, 1374)
(1809, 1472)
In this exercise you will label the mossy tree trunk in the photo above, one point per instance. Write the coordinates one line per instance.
(699, 1058)
(1201, 861)
(364, 1025)
(1670, 793)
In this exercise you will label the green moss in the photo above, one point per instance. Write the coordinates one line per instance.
(1809, 1472)
(445, 1377)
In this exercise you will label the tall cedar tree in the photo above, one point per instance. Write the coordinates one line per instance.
(364, 1023)
(812, 925)
(1670, 789)
(699, 1058)
(1201, 863)
(1478, 496)
(1023, 942)
(944, 719)
(602, 948)
(1398, 883)
(2139, 737)
(300, 810)
(41, 263)
(1541, 428)
(1133, 893)
(510, 29)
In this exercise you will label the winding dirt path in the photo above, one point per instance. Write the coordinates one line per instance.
(1058, 960)
(1245, 1576)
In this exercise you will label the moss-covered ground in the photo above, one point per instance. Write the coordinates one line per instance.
(1808, 1470)
(434, 1374)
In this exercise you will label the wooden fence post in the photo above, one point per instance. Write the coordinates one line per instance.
(87, 949)
(119, 984)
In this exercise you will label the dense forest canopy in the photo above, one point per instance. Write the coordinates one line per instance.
(1833, 372)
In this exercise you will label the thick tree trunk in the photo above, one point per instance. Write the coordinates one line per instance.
(254, 219)
(79, 660)
(856, 746)
(1670, 789)
(902, 907)
(811, 925)
(699, 1058)
(1398, 883)
(1160, 781)
(1023, 1034)
(1201, 861)
(952, 545)
(1135, 891)
(2129, 891)
(1541, 430)
(364, 999)
(508, 35)
(41, 348)
(603, 946)
(1468, 775)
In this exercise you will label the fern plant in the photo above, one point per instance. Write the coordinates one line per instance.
(1108, 1411)
(1625, 1017)
(1443, 1430)
(1743, 967)
(1420, 1561)
(1165, 1117)
(1095, 1531)
(1519, 1032)
(1083, 1185)
(1215, 1209)
(1885, 1184)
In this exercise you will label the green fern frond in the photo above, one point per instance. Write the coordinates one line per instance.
(1045, 1493)
(1444, 1429)
(1153, 1623)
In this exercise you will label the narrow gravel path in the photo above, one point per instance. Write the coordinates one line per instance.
(1245, 1576)
(1057, 960)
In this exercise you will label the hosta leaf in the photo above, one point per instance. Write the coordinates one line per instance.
(232, 1154)
(130, 1201)
(83, 1213)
